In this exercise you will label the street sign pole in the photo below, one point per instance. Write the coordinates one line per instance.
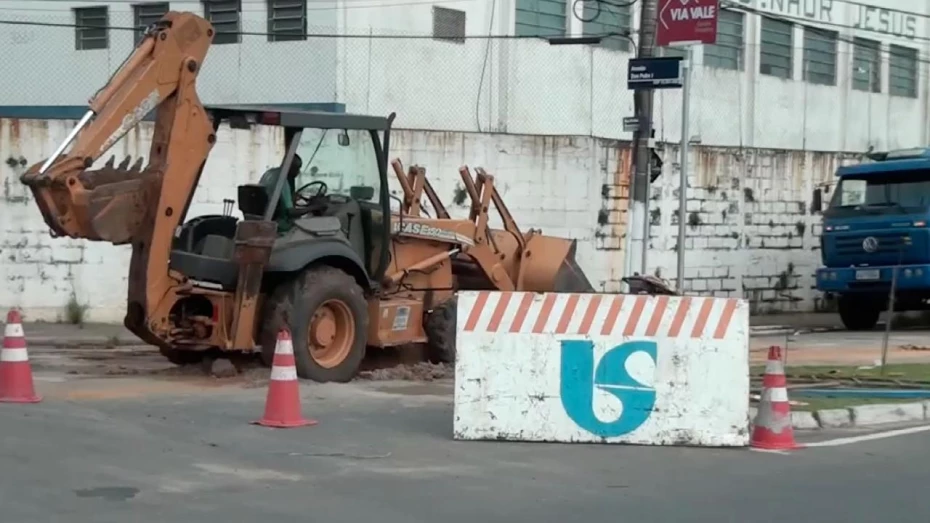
(686, 23)
(683, 181)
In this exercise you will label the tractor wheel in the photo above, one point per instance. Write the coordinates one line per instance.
(182, 357)
(328, 318)
(440, 332)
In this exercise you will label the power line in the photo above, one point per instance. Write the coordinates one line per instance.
(33, 23)
(376, 36)
(728, 5)
(309, 3)
(614, 3)
(619, 2)
(348, 5)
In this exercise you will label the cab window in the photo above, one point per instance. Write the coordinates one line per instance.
(346, 161)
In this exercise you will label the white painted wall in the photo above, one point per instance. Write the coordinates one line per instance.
(752, 237)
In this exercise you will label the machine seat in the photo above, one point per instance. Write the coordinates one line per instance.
(253, 200)
(204, 250)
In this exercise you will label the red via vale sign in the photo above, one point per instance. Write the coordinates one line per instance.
(692, 21)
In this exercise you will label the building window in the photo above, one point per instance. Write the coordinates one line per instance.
(819, 56)
(867, 65)
(91, 29)
(542, 18)
(727, 53)
(902, 71)
(775, 55)
(226, 17)
(602, 18)
(144, 15)
(449, 24)
(287, 20)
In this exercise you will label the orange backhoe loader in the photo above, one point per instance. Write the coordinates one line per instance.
(317, 249)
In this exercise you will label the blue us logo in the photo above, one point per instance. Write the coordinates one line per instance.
(579, 378)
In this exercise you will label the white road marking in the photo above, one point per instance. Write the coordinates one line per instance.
(767, 451)
(868, 437)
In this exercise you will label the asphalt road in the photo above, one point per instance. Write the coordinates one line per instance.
(382, 452)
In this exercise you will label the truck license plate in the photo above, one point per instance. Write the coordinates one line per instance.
(869, 274)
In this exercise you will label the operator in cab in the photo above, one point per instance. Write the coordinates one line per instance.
(283, 214)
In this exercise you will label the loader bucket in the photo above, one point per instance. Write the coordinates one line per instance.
(551, 266)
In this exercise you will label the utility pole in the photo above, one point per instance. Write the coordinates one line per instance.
(683, 181)
(637, 238)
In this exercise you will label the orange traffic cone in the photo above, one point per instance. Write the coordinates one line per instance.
(282, 405)
(772, 429)
(15, 371)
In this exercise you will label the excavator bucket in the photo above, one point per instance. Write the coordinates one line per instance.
(116, 203)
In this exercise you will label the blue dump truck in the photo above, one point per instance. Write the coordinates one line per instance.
(875, 232)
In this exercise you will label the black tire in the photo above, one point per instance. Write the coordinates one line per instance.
(182, 357)
(440, 332)
(858, 314)
(294, 303)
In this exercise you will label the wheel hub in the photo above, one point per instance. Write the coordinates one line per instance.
(331, 333)
(323, 327)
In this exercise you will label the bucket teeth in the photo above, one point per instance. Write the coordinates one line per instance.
(124, 165)
(111, 162)
(137, 167)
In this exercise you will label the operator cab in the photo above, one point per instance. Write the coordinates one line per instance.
(335, 205)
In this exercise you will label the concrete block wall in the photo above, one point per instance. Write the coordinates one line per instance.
(750, 233)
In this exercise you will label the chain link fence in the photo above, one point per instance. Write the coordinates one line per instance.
(519, 86)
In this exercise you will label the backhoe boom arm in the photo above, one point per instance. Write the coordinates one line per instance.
(112, 204)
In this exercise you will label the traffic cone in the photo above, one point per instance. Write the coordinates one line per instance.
(772, 429)
(282, 405)
(15, 371)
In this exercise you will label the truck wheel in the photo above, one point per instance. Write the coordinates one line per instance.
(858, 314)
(440, 332)
(328, 317)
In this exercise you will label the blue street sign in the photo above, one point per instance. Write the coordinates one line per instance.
(654, 73)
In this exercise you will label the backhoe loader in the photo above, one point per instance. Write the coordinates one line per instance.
(339, 268)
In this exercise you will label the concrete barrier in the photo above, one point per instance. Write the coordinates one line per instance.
(657, 370)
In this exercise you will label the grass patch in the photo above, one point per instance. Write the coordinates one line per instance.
(895, 371)
(75, 311)
(905, 372)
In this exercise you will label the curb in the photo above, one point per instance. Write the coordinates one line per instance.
(859, 416)
(782, 330)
